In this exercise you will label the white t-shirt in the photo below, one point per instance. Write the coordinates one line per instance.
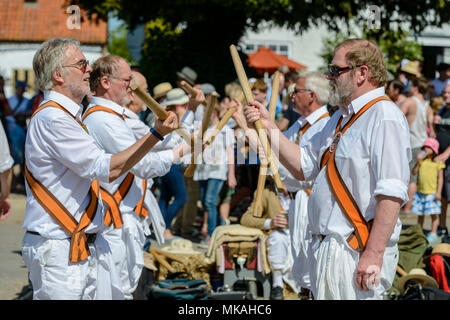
(213, 162)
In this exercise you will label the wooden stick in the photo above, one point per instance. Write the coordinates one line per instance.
(159, 111)
(257, 210)
(161, 260)
(189, 172)
(168, 255)
(221, 124)
(186, 86)
(261, 131)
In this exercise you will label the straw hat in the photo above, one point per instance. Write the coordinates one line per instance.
(442, 249)
(188, 74)
(181, 246)
(161, 89)
(411, 67)
(418, 275)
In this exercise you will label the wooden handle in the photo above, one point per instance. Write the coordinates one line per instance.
(189, 172)
(151, 103)
(161, 260)
(221, 124)
(249, 97)
(257, 210)
(186, 86)
(159, 111)
(401, 271)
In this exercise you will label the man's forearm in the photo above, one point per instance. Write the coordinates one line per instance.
(122, 162)
(5, 181)
(386, 215)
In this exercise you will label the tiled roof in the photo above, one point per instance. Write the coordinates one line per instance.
(40, 20)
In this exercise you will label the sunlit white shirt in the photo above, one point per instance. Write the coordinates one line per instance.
(372, 157)
(113, 135)
(65, 159)
(291, 133)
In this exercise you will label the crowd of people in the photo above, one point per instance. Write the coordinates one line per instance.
(354, 150)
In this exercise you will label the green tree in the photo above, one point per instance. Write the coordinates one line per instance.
(210, 26)
(393, 43)
(117, 43)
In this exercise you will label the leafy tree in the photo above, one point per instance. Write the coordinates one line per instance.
(394, 45)
(208, 27)
(118, 43)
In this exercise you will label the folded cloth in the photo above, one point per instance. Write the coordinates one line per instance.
(237, 233)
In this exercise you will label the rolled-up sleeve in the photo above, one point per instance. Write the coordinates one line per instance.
(390, 157)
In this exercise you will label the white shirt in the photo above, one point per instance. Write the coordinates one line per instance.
(113, 135)
(6, 161)
(65, 159)
(213, 162)
(372, 157)
(291, 133)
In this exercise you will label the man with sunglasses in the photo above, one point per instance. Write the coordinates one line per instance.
(360, 165)
(110, 81)
(63, 247)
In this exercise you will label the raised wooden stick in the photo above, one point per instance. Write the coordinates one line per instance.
(257, 210)
(221, 124)
(186, 86)
(159, 111)
(261, 131)
(189, 172)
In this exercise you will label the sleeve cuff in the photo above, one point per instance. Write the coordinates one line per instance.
(6, 164)
(392, 188)
(267, 224)
(103, 175)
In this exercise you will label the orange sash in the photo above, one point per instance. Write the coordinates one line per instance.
(358, 239)
(79, 249)
(113, 213)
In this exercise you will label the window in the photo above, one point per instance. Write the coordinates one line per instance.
(26, 75)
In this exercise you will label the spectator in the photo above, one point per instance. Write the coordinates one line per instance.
(443, 137)
(17, 127)
(290, 116)
(427, 199)
(394, 91)
(415, 110)
(443, 79)
(6, 162)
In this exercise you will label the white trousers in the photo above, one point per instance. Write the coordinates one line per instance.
(300, 238)
(280, 257)
(53, 277)
(127, 245)
(333, 271)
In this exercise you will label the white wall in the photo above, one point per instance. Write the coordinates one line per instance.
(20, 56)
(305, 48)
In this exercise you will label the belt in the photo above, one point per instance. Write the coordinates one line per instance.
(90, 236)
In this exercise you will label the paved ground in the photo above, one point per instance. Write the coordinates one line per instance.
(13, 273)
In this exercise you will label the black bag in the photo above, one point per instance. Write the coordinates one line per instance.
(414, 291)
(180, 289)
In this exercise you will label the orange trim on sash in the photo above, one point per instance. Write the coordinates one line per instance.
(358, 239)
(101, 108)
(140, 210)
(79, 249)
(113, 214)
(307, 126)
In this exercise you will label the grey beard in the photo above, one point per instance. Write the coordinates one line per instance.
(341, 96)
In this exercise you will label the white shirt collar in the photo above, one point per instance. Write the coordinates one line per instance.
(107, 103)
(361, 101)
(130, 114)
(66, 102)
(315, 115)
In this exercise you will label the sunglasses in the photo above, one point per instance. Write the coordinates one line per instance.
(335, 71)
(81, 65)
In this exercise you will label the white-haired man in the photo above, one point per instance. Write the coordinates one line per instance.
(310, 96)
(104, 117)
(64, 248)
(361, 177)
